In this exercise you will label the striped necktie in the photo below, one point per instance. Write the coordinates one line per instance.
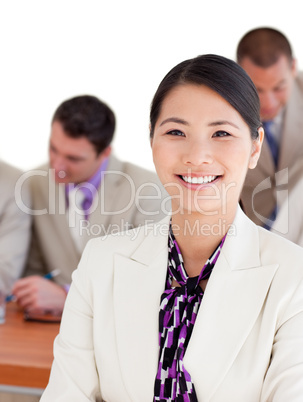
(272, 141)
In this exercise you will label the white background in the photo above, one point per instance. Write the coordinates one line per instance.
(117, 50)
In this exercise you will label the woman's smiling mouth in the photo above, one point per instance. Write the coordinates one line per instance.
(198, 179)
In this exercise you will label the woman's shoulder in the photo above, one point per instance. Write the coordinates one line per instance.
(103, 254)
(126, 242)
(276, 239)
(274, 247)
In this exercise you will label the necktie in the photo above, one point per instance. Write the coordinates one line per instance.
(89, 192)
(272, 142)
(75, 216)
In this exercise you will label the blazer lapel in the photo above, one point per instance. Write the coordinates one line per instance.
(231, 304)
(139, 281)
(59, 218)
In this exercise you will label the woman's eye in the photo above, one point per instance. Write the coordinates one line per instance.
(221, 134)
(176, 132)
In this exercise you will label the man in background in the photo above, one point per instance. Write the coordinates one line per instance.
(82, 193)
(267, 57)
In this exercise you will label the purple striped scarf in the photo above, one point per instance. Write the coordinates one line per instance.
(178, 311)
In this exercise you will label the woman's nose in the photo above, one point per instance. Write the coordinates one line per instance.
(198, 153)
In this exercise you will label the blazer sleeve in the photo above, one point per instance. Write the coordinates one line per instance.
(283, 380)
(35, 264)
(14, 235)
(74, 375)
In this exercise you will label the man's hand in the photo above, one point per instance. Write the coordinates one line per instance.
(39, 295)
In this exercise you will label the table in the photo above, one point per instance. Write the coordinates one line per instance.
(26, 350)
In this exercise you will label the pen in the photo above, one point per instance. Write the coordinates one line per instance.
(52, 274)
(49, 275)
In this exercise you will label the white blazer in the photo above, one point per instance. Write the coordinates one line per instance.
(247, 342)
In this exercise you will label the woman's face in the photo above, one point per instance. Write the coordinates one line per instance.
(202, 149)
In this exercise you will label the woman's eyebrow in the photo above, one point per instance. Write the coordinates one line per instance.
(174, 120)
(222, 123)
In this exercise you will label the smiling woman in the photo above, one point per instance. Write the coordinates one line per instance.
(198, 155)
(175, 312)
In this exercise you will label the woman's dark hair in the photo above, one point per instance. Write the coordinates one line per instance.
(89, 117)
(220, 74)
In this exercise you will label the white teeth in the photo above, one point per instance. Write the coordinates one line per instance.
(198, 180)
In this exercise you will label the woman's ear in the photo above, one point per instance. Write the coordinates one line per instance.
(256, 149)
